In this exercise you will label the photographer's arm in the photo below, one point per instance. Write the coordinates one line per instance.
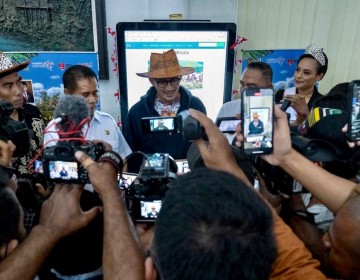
(331, 190)
(60, 216)
(293, 260)
(121, 253)
(219, 146)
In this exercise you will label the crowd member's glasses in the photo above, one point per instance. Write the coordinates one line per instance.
(163, 83)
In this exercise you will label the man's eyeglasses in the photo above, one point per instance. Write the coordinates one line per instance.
(163, 83)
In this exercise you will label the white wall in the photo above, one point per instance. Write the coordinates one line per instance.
(122, 11)
(117, 11)
(287, 24)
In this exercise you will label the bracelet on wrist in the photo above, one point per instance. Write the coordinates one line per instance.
(113, 158)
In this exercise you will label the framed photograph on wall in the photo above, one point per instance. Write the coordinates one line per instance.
(28, 91)
(37, 26)
(33, 26)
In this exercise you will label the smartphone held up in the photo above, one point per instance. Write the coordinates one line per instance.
(257, 109)
(354, 111)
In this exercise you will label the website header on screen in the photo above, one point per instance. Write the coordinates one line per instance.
(206, 51)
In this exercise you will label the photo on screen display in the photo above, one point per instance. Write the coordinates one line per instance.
(38, 167)
(158, 124)
(150, 209)
(183, 166)
(63, 170)
(126, 179)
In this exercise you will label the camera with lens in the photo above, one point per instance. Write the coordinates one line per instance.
(183, 122)
(276, 179)
(15, 131)
(60, 164)
(144, 195)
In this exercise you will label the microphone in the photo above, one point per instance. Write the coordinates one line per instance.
(70, 115)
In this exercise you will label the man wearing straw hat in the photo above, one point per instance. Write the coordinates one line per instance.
(12, 90)
(166, 97)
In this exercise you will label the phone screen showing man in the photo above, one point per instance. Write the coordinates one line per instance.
(257, 125)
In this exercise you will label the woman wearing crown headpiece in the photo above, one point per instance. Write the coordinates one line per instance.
(311, 68)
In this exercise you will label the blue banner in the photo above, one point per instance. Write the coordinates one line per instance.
(282, 62)
(45, 71)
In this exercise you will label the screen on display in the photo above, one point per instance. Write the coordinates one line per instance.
(202, 45)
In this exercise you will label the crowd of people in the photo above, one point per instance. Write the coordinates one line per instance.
(225, 219)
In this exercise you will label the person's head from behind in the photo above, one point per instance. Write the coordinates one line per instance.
(165, 75)
(343, 240)
(256, 74)
(311, 68)
(82, 80)
(11, 87)
(212, 226)
(12, 230)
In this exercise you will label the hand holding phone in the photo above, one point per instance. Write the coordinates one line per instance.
(257, 107)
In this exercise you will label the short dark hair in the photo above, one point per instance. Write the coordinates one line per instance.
(263, 67)
(319, 69)
(75, 73)
(212, 226)
(10, 214)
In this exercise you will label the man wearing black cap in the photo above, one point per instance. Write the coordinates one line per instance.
(166, 97)
(11, 90)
